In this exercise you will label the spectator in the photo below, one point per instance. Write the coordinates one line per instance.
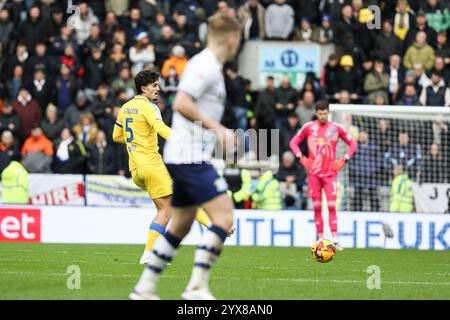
(384, 134)
(188, 8)
(344, 29)
(291, 177)
(114, 62)
(31, 31)
(377, 82)
(324, 33)
(72, 114)
(419, 53)
(387, 43)
(287, 132)
(439, 65)
(285, 99)
(52, 125)
(403, 19)
(150, 9)
(265, 106)
(310, 86)
(182, 30)
(70, 59)
(164, 44)
(422, 79)
(307, 8)
(420, 25)
(52, 26)
(304, 31)
(142, 53)
(66, 88)
(410, 97)
(436, 93)
(364, 168)
(438, 16)
(134, 26)
(95, 40)
(20, 58)
(155, 29)
(40, 61)
(102, 104)
(396, 73)
(94, 69)
(435, 167)
(347, 77)
(443, 48)
(343, 97)
(86, 129)
(178, 60)
(102, 157)
(6, 29)
(403, 153)
(329, 78)
(252, 14)
(86, 20)
(28, 111)
(70, 154)
(279, 20)
(306, 109)
(110, 25)
(124, 81)
(41, 89)
(235, 88)
(267, 195)
(65, 38)
(8, 146)
(169, 85)
(402, 198)
(9, 120)
(37, 152)
(410, 79)
(16, 82)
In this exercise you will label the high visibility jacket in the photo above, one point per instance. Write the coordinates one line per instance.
(402, 199)
(15, 184)
(268, 195)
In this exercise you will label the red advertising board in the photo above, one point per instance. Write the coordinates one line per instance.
(20, 225)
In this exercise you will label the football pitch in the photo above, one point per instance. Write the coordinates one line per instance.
(40, 271)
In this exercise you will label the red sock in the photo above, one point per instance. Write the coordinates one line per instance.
(332, 217)
(318, 217)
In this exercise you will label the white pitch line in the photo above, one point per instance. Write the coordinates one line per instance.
(110, 275)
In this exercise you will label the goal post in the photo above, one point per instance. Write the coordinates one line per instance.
(399, 147)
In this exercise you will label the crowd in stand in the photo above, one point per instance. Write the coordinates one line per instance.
(63, 80)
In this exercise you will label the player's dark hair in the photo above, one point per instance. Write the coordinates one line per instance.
(145, 78)
(322, 105)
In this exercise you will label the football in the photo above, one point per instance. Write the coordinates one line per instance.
(323, 251)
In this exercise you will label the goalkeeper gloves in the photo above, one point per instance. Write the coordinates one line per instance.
(307, 163)
(337, 166)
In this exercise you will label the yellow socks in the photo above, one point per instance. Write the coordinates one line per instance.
(202, 217)
(155, 231)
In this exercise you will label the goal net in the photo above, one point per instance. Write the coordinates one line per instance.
(399, 148)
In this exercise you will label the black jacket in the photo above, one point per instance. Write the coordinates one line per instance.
(10, 122)
(76, 164)
(102, 161)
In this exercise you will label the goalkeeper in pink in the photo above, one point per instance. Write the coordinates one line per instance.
(322, 167)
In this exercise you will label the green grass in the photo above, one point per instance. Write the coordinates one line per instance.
(38, 271)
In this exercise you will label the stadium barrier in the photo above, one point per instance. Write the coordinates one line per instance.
(118, 191)
(112, 225)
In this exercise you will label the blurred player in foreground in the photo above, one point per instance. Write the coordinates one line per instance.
(198, 105)
(138, 125)
(322, 167)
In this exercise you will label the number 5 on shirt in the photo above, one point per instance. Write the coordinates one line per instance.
(128, 129)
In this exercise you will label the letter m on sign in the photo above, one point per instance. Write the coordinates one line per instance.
(269, 64)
